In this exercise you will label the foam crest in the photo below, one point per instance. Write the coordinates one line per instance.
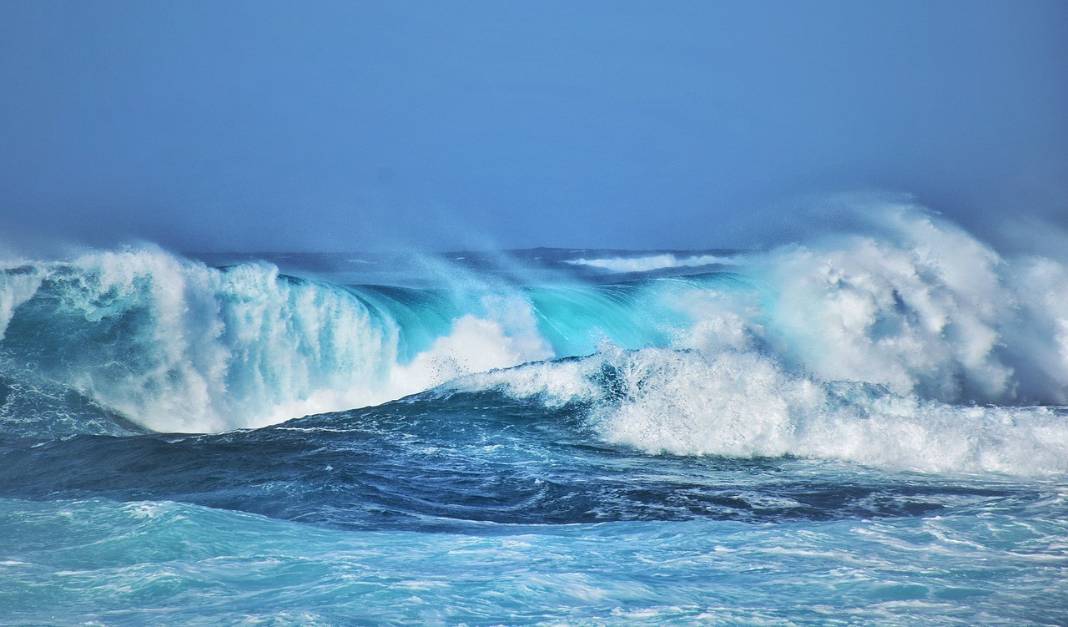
(175, 345)
(742, 404)
(912, 302)
(918, 309)
(474, 344)
(909, 302)
(648, 263)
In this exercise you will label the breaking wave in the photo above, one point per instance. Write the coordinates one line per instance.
(650, 263)
(744, 405)
(175, 345)
(907, 343)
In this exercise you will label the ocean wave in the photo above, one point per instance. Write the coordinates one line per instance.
(744, 405)
(648, 263)
(910, 303)
(177, 346)
(921, 306)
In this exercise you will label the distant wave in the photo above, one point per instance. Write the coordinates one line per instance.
(649, 263)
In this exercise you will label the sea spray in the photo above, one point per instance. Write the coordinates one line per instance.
(909, 302)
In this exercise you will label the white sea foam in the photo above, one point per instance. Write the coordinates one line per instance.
(649, 263)
(742, 404)
(918, 305)
(202, 349)
(16, 287)
(911, 303)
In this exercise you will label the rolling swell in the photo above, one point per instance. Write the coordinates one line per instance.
(822, 349)
(862, 428)
(447, 462)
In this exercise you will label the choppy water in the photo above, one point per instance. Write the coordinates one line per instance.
(867, 428)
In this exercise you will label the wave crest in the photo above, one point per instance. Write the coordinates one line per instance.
(910, 303)
(178, 346)
(742, 404)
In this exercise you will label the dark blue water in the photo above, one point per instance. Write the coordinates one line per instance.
(853, 431)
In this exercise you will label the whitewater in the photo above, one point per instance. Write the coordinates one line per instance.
(864, 427)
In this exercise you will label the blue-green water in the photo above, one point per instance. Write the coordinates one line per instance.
(868, 429)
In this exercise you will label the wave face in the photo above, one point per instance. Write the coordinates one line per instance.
(175, 345)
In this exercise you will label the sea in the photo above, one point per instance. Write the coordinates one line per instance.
(866, 427)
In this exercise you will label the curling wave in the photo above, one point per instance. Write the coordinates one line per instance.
(175, 345)
(910, 304)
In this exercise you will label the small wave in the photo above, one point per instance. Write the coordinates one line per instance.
(649, 263)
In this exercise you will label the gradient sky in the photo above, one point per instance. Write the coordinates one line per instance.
(345, 125)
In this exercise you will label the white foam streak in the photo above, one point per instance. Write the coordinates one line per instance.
(651, 262)
(15, 289)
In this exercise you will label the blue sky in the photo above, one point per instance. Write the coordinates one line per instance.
(346, 125)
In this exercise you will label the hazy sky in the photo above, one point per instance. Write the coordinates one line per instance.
(341, 125)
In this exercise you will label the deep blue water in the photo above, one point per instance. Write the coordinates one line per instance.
(869, 429)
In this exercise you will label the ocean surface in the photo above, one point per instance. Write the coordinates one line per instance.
(862, 428)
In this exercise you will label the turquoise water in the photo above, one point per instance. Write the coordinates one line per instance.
(866, 429)
(169, 562)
